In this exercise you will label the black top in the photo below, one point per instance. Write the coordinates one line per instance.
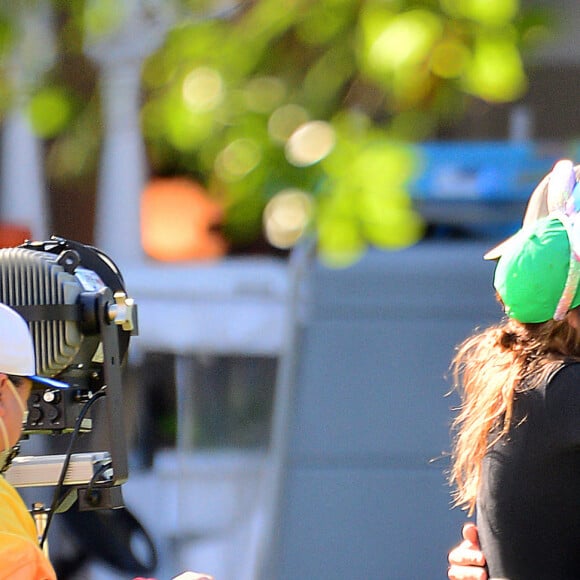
(528, 509)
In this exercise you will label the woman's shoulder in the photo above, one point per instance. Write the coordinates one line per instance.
(562, 404)
(567, 373)
(564, 382)
(553, 376)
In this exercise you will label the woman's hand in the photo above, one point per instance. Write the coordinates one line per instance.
(466, 561)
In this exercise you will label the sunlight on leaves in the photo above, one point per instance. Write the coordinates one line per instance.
(496, 71)
(49, 111)
(405, 40)
(488, 12)
(299, 116)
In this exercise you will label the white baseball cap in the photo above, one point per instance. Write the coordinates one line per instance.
(17, 349)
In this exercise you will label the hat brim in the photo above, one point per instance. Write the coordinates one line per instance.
(44, 382)
(537, 208)
(497, 251)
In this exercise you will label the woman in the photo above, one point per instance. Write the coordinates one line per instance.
(516, 456)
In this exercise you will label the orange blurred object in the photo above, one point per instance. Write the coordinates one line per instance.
(12, 235)
(179, 221)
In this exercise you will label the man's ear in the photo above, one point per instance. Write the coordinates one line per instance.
(3, 380)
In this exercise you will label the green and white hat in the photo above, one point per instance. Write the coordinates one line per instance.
(538, 273)
(531, 274)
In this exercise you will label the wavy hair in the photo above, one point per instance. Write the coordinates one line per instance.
(488, 369)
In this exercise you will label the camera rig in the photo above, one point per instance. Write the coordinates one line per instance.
(81, 320)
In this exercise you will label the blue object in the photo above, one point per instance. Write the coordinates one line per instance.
(481, 170)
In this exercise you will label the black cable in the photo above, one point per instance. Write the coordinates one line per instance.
(94, 480)
(68, 456)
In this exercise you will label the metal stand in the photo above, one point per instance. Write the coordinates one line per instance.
(40, 516)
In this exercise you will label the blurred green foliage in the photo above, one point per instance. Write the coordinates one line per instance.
(325, 97)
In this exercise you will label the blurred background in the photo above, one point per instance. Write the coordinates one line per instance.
(298, 194)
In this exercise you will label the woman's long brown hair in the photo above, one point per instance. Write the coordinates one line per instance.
(489, 368)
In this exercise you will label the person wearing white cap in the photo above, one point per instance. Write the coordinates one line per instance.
(20, 554)
(21, 558)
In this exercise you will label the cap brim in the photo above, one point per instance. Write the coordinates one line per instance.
(44, 382)
(496, 252)
(537, 208)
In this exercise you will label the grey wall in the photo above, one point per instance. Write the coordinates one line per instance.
(361, 413)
